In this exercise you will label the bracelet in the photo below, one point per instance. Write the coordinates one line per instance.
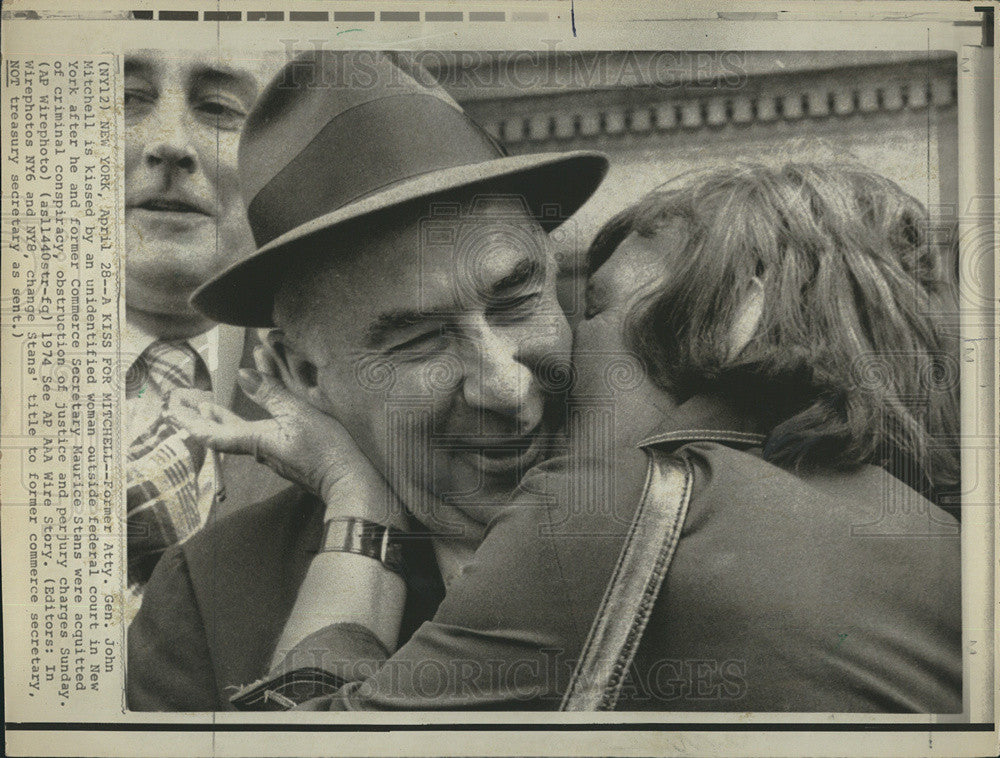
(361, 537)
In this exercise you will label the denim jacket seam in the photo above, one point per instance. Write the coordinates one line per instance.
(703, 435)
(651, 590)
(602, 609)
(651, 580)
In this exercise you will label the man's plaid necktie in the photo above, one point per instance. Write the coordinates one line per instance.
(164, 462)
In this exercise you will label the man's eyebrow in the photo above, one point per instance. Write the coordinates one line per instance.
(222, 76)
(389, 321)
(137, 65)
(211, 74)
(526, 271)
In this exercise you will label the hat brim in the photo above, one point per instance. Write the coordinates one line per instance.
(554, 185)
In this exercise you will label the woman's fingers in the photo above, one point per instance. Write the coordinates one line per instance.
(217, 413)
(209, 423)
(203, 403)
(203, 428)
(266, 360)
(275, 356)
(188, 397)
(271, 394)
(263, 362)
(224, 432)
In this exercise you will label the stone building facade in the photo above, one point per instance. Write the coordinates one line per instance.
(658, 114)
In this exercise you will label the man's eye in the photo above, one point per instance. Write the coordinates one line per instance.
(137, 100)
(514, 308)
(225, 113)
(417, 347)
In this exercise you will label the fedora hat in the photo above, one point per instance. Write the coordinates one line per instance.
(340, 136)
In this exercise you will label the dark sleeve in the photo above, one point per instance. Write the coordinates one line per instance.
(510, 629)
(169, 667)
(789, 594)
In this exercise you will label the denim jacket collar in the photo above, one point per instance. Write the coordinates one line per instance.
(705, 418)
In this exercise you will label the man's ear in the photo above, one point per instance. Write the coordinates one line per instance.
(747, 319)
(297, 371)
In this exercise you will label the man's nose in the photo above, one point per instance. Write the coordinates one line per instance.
(496, 380)
(172, 154)
(169, 144)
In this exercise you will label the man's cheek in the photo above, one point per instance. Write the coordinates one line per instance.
(406, 446)
(133, 153)
(597, 346)
(352, 407)
(546, 337)
(428, 383)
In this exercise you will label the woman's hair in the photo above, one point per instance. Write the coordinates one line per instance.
(849, 363)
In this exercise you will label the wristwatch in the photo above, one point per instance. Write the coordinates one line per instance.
(362, 537)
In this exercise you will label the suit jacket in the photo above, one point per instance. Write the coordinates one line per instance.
(216, 604)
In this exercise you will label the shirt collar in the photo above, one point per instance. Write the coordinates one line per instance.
(134, 342)
(709, 418)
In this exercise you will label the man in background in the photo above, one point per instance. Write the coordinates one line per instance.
(184, 223)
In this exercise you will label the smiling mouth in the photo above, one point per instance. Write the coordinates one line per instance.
(506, 456)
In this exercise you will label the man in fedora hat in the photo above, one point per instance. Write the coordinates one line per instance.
(403, 260)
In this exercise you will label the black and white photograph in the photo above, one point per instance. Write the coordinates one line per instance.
(665, 490)
(483, 376)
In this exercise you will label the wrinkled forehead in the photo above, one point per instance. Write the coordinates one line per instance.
(448, 257)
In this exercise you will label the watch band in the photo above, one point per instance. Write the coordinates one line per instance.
(361, 537)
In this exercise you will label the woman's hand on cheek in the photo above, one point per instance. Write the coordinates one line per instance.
(299, 442)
